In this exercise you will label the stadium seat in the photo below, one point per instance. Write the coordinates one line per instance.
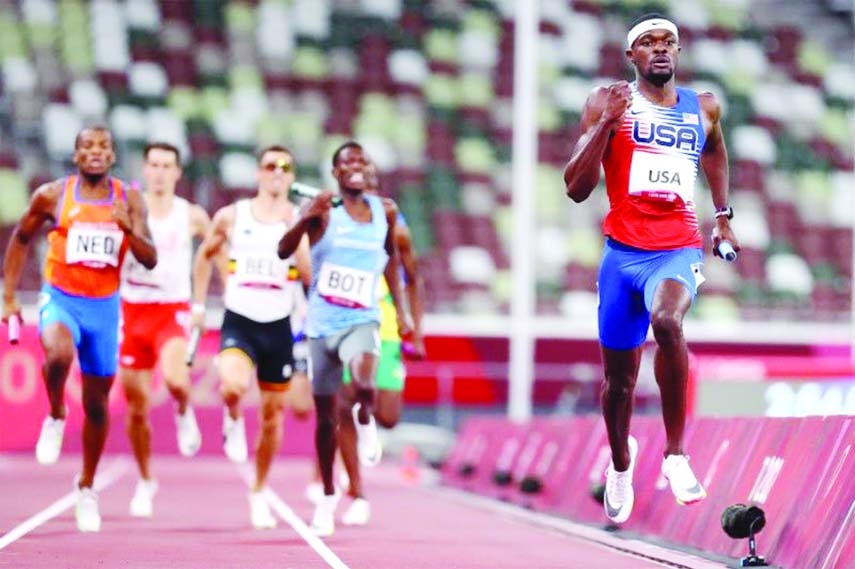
(220, 78)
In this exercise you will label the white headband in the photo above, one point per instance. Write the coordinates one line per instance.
(650, 25)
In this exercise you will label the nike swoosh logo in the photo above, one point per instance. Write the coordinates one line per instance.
(695, 490)
(610, 510)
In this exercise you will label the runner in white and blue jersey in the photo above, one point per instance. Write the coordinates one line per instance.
(352, 247)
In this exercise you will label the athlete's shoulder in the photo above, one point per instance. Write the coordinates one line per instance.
(709, 104)
(46, 196)
(50, 190)
(597, 97)
(224, 216)
(197, 216)
(389, 205)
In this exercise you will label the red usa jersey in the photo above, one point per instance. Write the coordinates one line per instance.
(651, 164)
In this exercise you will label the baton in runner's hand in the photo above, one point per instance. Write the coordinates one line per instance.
(195, 337)
(14, 329)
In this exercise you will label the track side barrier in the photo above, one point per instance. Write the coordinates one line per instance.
(798, 470)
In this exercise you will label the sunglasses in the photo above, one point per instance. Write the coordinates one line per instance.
(280, 164)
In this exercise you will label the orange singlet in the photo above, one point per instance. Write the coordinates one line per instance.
(86, 246)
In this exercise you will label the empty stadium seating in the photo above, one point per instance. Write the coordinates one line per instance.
(427, 87)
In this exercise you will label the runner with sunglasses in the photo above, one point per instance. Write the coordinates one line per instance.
(260, 296)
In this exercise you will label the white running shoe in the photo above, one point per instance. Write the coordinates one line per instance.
(323, 520)
(259, 511)
(142, 504)
(368, 445)
(234, 438)
(49, 444)
(86, 510)
(314, 491)
(187, 432)
(620, 497)
(684, 485)
(358, 513)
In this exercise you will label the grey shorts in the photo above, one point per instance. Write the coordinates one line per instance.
(328, 356)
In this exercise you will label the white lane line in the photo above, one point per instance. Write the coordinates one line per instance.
(286, 513)
(105, 478)
(316, 543)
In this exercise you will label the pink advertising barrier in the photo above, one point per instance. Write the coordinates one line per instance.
(487, 445)
(540, 474)
(799, 470)
(23, 404)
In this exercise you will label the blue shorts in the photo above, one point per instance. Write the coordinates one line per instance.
(93, 323)
(627, 282)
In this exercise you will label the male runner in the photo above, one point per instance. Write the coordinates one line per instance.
(352, 247)
(255, 339)
(95, 219)
(156, 316)
(650, 137)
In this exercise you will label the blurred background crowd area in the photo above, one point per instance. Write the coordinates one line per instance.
(427, 87)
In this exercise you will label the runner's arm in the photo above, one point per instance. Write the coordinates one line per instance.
(602, 112)
(208, 251)
(138, 233)
(714, 163)
(40, 209)
(392, 271)
(414, 285)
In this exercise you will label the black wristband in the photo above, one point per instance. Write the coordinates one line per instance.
(725, 211)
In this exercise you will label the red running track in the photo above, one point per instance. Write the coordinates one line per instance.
(201, 519)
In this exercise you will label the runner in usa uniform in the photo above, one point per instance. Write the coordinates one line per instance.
(156, 316)
(96, 220)
(255, 338)
(352, 247)
(650, 136)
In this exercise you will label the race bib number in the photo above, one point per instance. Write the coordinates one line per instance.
(93, 245)
(346, 286)
(662, 177)
(261, 271)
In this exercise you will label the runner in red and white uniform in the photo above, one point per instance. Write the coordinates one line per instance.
(651, 137)
(156, 316)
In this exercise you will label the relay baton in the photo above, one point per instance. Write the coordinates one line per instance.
(14, 324)
(195, 337)
(725, 249)
(310, 192)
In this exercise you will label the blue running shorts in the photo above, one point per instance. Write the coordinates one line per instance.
(93, 323)
(627, 282)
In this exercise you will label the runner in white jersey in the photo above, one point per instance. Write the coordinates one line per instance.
(255, 339)
(156, 316)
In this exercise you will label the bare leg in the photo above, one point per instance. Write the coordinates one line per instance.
(58, 345)
(271, 434)
(325, 438)
(175, 372)
(671, 365)
(96, 424)
(299, 396)
(347, 441)
(137, 387)
(389, 405)
(621, 372)
(235, 370)
(363, 369)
